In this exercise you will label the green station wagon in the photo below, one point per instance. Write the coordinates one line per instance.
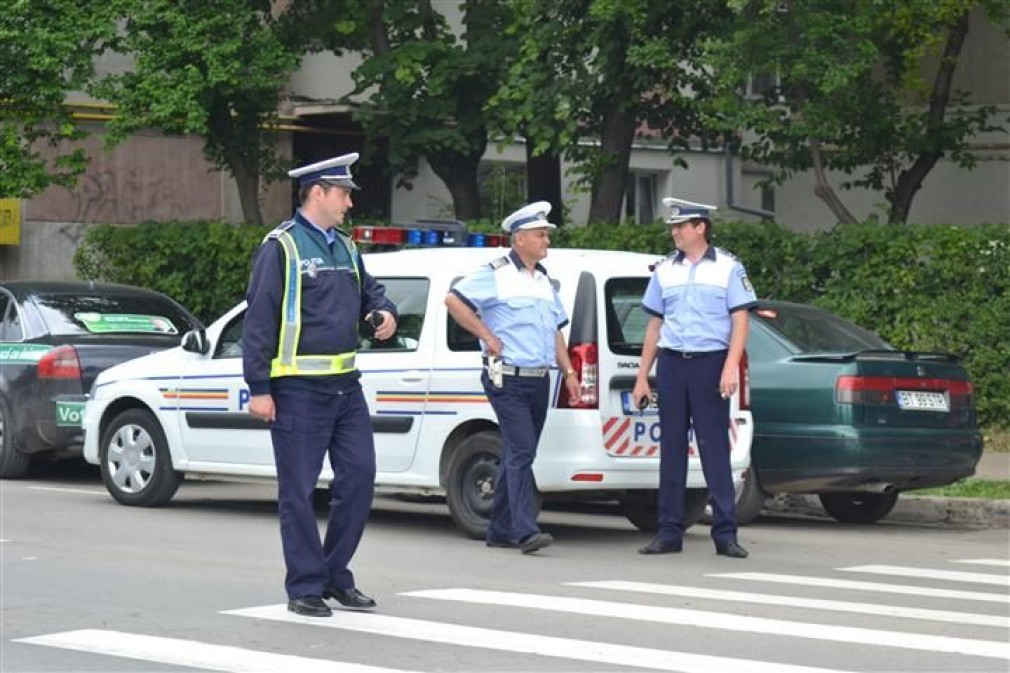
(841, 414)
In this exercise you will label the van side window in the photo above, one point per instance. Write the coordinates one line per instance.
(230, 343)
(411, 298)
(626, 319)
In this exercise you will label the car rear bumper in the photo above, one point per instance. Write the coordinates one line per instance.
(56, 427)
(850, 459)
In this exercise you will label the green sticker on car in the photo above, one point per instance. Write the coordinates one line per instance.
(69, 414)
(20, 354)
(104, 323)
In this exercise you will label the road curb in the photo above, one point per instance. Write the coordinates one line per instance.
(915, 509)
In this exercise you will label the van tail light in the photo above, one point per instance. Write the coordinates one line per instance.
(586, 363)
(744, 377)
(60, 363)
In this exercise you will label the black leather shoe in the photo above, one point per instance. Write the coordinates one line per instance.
(309, 606)
(535, 542)
(732, 550)
(502, 544)
(661, 546)
(350, 598)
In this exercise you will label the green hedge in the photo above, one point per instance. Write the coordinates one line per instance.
(922, 287)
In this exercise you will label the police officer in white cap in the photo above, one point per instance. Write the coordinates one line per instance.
(511, 306)
(308, 292)
(699, 299)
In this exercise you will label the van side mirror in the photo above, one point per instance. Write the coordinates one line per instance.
(195, 341)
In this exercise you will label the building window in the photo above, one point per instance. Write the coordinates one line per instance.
(640, 199)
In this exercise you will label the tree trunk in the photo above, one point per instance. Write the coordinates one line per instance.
(611, 182)
(247, 179)
(823, 190)
(910, 180)
(543, 181)
(459, 173)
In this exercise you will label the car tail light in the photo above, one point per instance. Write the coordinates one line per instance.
(60, 363)
(585, 362)
(744, 377)
(881, 389)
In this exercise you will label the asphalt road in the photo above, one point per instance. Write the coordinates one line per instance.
(89, 585)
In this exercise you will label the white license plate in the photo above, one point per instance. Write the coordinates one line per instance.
(920, 401)
(629, 407)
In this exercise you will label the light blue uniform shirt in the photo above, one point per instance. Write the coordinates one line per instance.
(522, 309)
(695, 300)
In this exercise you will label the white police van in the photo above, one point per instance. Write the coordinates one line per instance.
(156, 419)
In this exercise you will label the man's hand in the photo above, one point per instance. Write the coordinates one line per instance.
(642, 393)
(494, 345)
(262, 407)
(387, 327)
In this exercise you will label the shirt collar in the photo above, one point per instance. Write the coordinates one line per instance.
(709, 255)
(514, 256)
(329, 234)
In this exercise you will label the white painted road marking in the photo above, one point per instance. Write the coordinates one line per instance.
(192, 653)
(926, 573)
(796, 602)
(1002, 562)
(600, 654)
(723, 622)
(868, 586)
(67, 490)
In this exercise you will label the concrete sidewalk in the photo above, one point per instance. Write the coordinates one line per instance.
(926, 510)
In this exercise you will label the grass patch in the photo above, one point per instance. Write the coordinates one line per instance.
(996, 439)
(970, 488)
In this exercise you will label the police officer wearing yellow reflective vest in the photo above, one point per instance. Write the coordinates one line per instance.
(511, 306)
(699, 299)
(307, 294)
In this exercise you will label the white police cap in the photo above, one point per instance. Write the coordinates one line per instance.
(682, 211)
(532, 216)
(336, 171)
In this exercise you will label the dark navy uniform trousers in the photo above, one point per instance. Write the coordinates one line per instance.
(689, 390)
(521, 407)
(310, 426)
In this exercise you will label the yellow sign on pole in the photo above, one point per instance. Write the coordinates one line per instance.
(10, 221)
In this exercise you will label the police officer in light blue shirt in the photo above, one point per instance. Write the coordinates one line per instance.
(699, 299)
(512, 307)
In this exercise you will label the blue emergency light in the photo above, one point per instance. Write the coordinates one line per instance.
(427, 234)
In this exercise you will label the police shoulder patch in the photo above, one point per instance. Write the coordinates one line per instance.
(279, 229)
(499, 263)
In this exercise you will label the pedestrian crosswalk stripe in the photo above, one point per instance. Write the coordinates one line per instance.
(600, 654)
(192, 653)
(723, 622)
(926, 573)
(706, 593)
(1002, 562)
(853, 585)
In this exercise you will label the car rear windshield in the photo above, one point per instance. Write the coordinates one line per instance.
(147, 314)
(626, 319)
(811, 330)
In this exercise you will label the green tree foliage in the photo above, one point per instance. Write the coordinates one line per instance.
(592, 74)
(47, 50)
(211, 69)
(425, 89)
(845, 91)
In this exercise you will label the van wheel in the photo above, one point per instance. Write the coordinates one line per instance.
(135, 460)
(640, 508)
(470, 482)
(858, 507)
(13, 463)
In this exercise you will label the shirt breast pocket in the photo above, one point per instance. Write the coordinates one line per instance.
(524, 311)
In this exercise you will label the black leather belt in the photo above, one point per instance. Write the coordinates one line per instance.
(687, 355)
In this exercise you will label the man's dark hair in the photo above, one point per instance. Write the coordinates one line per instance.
(303, 191)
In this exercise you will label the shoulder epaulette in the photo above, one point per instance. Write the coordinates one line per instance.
(279, 229)
(499, 263)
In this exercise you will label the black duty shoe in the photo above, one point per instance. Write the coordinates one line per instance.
(350, 598)
(502, 544)
(535, 542)
(731, 549)
(661, 546)
(309, 606)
